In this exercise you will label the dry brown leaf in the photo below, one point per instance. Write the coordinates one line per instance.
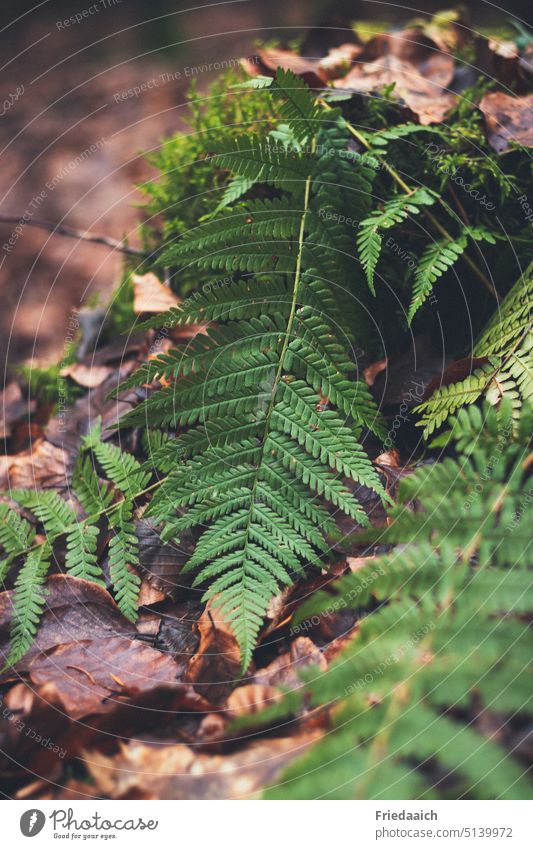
(35, 735)
(150, 295)
(88, 376)
(420, 71)
(498, 60)
(371, 372)
(507, 119)
(269, 60)
(339, 60)
(355, 564)
(215, 669)
(160, 563)
(43, 466)
(389, 458)
(90, 676)
(149, 595)
(251, 699)
(66, 432)
(176, 772)
(284, 670)
(75, 610)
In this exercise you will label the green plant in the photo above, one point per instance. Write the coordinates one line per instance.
(279, 191)
(110, 500)
(445, 654)
(506, 346)
(258, 451)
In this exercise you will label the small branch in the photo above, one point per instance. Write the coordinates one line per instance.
(70, 232)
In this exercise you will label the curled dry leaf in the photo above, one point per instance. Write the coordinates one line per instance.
(160, 562)
(66, 432)
(371, 372)
(498, 60)
(251, 699)
(177, 772)
(215, 669)
(388, 458)
(88, 376)
(456, 371)
(508, 119)
(91, 676)
(150, 295)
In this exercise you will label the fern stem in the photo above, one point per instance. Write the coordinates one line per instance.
(489, 286)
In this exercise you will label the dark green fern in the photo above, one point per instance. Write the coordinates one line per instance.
(104, 502)
(259, 458)
(447, 643)
(506, 345)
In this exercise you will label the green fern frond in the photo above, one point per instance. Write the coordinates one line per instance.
(506, 342)
(80, 559)
(446, 641)
(120, 467)
(259, 461)
(93, 495)
(16, 535)
(123, 558)
(434, 262)
(49, 508)
(28, 601)
(394, 212)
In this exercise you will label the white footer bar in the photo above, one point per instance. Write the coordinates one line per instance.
(269, 825)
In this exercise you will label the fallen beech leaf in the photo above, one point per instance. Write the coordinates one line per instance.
(507, 118)
(150, 295)
(177, 772)
(338, 644)
(284, 670)
(498, 60)
(149, 595)
(251, 699)
(339, 60)
(75, 610)
(35, 735)
(43, 466)
(66, 432)
(160, 562)
(215, 669)
(73, 790)
(355, 564)
(403, 383)
(91, 675)
(88, 376)
(270, 60)
(371, 372)
(389, 458)
(178, 631)
(420, 71)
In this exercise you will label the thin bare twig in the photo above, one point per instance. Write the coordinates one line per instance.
(70, 232)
